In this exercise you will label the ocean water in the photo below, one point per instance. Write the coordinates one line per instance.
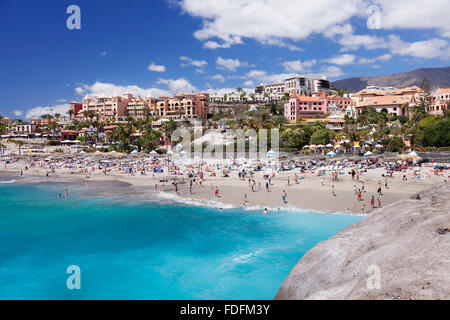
(147, 249)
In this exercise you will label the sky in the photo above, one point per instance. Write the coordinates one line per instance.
(161, 47)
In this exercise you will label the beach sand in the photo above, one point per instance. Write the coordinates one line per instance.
(308, 194)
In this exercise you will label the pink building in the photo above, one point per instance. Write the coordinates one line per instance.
(184, 106)
(305, 107)
(440, 100)
(106, 108)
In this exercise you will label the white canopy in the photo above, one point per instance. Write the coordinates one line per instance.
(367, 154)
(331, 154)
(153, 152)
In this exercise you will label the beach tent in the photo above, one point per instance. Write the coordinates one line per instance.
(331, 154)
(368, 154)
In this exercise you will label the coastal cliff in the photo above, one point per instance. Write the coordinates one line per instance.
(401, 251)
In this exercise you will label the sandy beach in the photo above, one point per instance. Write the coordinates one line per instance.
(312, 192)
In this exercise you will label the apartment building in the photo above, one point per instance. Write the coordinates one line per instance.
(300, 85)
(390, 100)
(106, 108)
(184, 106)
(305, 107)
(440, 100)
(140, 108)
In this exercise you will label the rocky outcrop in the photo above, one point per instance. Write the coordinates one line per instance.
(399, 252)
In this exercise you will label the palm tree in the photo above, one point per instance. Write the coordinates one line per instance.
(18, 143)
(57, 116)
(70, 113)
(168, 128)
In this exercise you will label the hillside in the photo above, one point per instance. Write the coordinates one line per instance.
(406, 246)
(438, 77)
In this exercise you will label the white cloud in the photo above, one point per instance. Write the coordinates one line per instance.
(103, 53)
(433, 48)
(230, 64)
(37, 112)
(225, 23)
(191, 62)
(110, 89)
(383, 58)
(342, 60)
(177, 85)
(248, 83)
(298, 66)
(17, 113)
(217, 77)
(156, 68)
(61, 100)
(266, 20)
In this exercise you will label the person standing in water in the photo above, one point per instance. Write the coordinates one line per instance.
(67, 193)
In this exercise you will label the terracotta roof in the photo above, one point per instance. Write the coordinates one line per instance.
(385, 100)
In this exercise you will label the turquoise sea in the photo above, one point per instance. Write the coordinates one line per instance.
(146, 248)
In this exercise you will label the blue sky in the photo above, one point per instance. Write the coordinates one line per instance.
(163, 46)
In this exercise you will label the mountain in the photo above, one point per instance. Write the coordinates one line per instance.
(437, 77)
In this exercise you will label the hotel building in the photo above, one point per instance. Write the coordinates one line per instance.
(440, 100)
(305, 107)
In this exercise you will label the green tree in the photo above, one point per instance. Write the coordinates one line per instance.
(321, 136)
(438, 134)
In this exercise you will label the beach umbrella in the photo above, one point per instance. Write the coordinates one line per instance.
(306, 147)
(312, 146)
(183, 152)
(378, 146)
(113, 152)
(413, 154)
(357, 146)
(82, 152)
(331, 154)
(134, 152)
(368, 154)
(320, 146)
(329, 145)
(153, 152)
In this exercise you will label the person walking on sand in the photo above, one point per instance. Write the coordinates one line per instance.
(267, 187)
(216, 192)
(333, 191)
(359, 195)
(379, 203)
(363, 208)
(372, 202)
(284, 196)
